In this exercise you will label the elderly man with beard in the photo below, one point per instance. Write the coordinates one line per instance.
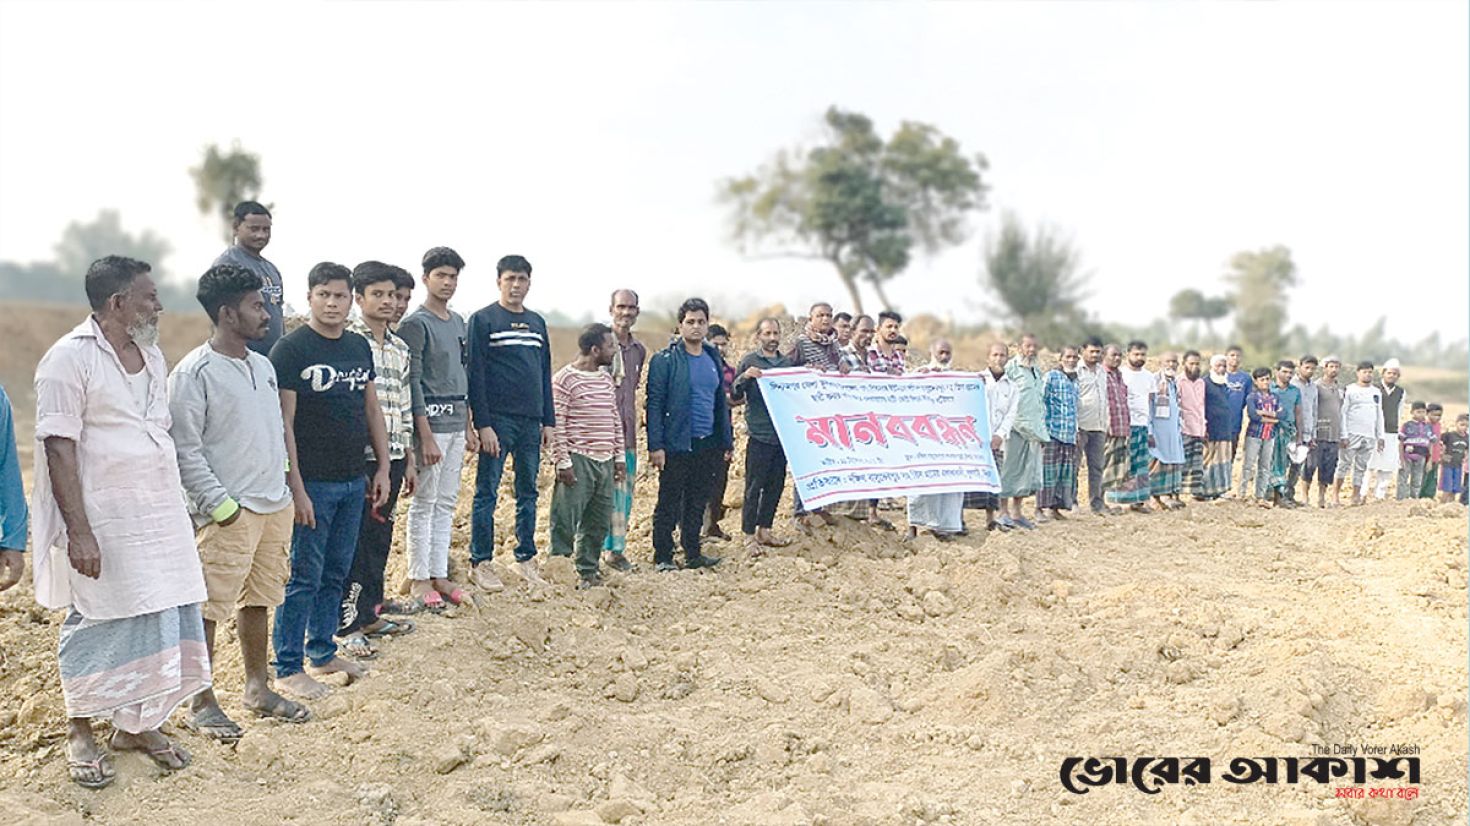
(1021, 475)
(816, 347)
(1192, 424)
(1385, 462)
(626, 370)
(114, 542)
(1133, 486)
(1059, 459)
(1166, 468)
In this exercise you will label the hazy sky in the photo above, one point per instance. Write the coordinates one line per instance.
(590, 138)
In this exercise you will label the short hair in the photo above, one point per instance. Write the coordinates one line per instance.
(225, 285)
(592, 336)
(512, 263)
(1234, 348)
(613, 299)
(770, 319)
(842, 316)
(859, 319)
(1195, 353)
(1026, 335)
(1365, 365)
(1417, 406)
(1074, 348)
(693, 305)
(813, 309)
(1463, 417)
(245, 209)
(368, 273)
(718, 330)
(889, 315)
(1137, 344)
(1261, 373)
(1433, 406)
(326, 272)
(1309, 359)
(110, 275)
(900, 340)
(1286, 363)
(1093, 341)
(401, 279)
(438, 257)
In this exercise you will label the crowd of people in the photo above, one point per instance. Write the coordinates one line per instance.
(292, 450)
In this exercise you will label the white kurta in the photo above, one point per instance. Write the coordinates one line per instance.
(130, 484)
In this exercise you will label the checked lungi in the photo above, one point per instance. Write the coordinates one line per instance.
(1194, 466)
(1128, 465)
(1058, 476)
(1219, 461)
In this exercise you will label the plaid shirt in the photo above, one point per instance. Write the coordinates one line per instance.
(879, 363)
(390, 362)
(854, 360)
(1060, 395)
(1117, 404)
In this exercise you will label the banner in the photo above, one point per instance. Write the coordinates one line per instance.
(866, 436)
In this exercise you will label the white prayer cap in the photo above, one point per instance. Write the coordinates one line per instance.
(1332, 360)
(1391, 364)
(1218, 358)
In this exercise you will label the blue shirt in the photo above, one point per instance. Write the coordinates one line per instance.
(1288, 398)
(13, 512)
(1241, 385)
(1060, 395)
(704, 383)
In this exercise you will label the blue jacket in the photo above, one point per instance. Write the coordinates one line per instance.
(669, 422)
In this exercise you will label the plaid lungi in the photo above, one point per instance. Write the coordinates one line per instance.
(622, 506)
(1219, 462)
(1129, 467)
(981, 500)
(1165, 480)
(1194, 465)
(1058, 476)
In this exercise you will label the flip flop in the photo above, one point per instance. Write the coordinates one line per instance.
(286, 710)
(777, 542)
(401, 606)
(103, 778)
(392, 628)
(457, 597)
(357, 647)
(160, 757)
(216, 725)
(432, 601)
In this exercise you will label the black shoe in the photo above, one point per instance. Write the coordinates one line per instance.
(593, 581)
(617, 562)
(702, 561)
(665, 567)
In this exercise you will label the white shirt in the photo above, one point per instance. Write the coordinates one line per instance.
(1000, 393)
(1092, 397)
(1362, 412)
(130, 484)
(1140, 384)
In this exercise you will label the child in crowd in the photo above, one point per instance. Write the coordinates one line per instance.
(1415, 437)
(1456, 444)
(1260, 437)
(1435, 412)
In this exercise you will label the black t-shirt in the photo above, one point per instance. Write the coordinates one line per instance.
(330, 377)
(1455, 447)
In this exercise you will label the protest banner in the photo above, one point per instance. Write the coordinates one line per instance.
(864, 436)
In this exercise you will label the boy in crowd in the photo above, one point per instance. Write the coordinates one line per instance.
(1435, 412)
(1456, 445)
(329, 405)
(1415, 438)
(1260, 437)
(588, 452)
(377, 287)
(1361, 430)
(231, 446)
(438, 388)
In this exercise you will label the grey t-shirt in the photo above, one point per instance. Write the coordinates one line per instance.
(1329, 412)
(273, 292)
(437, 380)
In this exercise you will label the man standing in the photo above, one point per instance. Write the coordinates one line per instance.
(588, 451)
(1000, 402)
(1386, 464)
(330, 408)
(1059, 458)
(231, 446)
(1133, 487)
(1092, 419)
(438, 390)
(1240, 384)
(626, 369)
(1288, 425)
(765, 461)
(1167, 446)
(1021, 476)
(688, 435)
(884, 355)
(720, 338)
(510, 399)
(114, 544)
(14, 515)
(1117, 464)
(1302, 381)
(1222, 421)
(252, 234)
(842, 325)
(377, 290)
(816, 347)
(1322, 462)
(1192, 424)
(854, 356)
(941, 357)
(1361, 430)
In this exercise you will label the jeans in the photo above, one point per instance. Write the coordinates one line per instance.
(1257, 466)
(580, 512)
(765, 473)
(363, 594)
(320, 560)
(520, 437)
(683, 492)
(1092, 444)
(1411, 476)
(431, 513)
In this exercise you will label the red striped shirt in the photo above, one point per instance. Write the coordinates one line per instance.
(587, 420)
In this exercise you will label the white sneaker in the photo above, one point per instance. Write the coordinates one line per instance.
(484, 578)
(531, 571)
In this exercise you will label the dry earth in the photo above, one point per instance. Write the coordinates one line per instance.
(849, 679)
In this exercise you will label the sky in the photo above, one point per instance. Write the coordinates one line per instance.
(591, 138)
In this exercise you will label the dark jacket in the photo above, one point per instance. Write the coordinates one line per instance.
(757, 417)
(1222, 416)
(669, 422)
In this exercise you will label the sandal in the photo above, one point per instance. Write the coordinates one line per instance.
(97, 767)
(391, 628)
(164, 758)
(432, 602)
(777, 542)
(880, 523)
(216, 725)
(456, 597)
(356, 646)
(401, 606)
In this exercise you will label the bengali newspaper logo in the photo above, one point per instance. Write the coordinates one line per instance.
(1150, 775)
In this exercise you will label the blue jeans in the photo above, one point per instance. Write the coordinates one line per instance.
(320, 560)
(520, 436)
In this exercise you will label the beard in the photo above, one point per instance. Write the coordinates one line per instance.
(144, 333)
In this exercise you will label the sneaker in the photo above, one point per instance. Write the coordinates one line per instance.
(590, 581)
(484, 578)
(665, 567)
(617, 562)
(702, 561)
(531, 571)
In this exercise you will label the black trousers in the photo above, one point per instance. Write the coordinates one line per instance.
(363, 593)
(765, 475)
(684, 487)
(717, 492)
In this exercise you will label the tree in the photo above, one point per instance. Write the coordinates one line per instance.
(1192, 305)
(1035, 276)
(83, 243)
(858, 203)
(222, 180)
(1261, 279)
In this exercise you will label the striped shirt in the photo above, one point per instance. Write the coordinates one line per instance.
(1060, 395)
(817, 352)
(879, 363)
(587, 418)
(390, 362)
(856, 361)
(1118, 420)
